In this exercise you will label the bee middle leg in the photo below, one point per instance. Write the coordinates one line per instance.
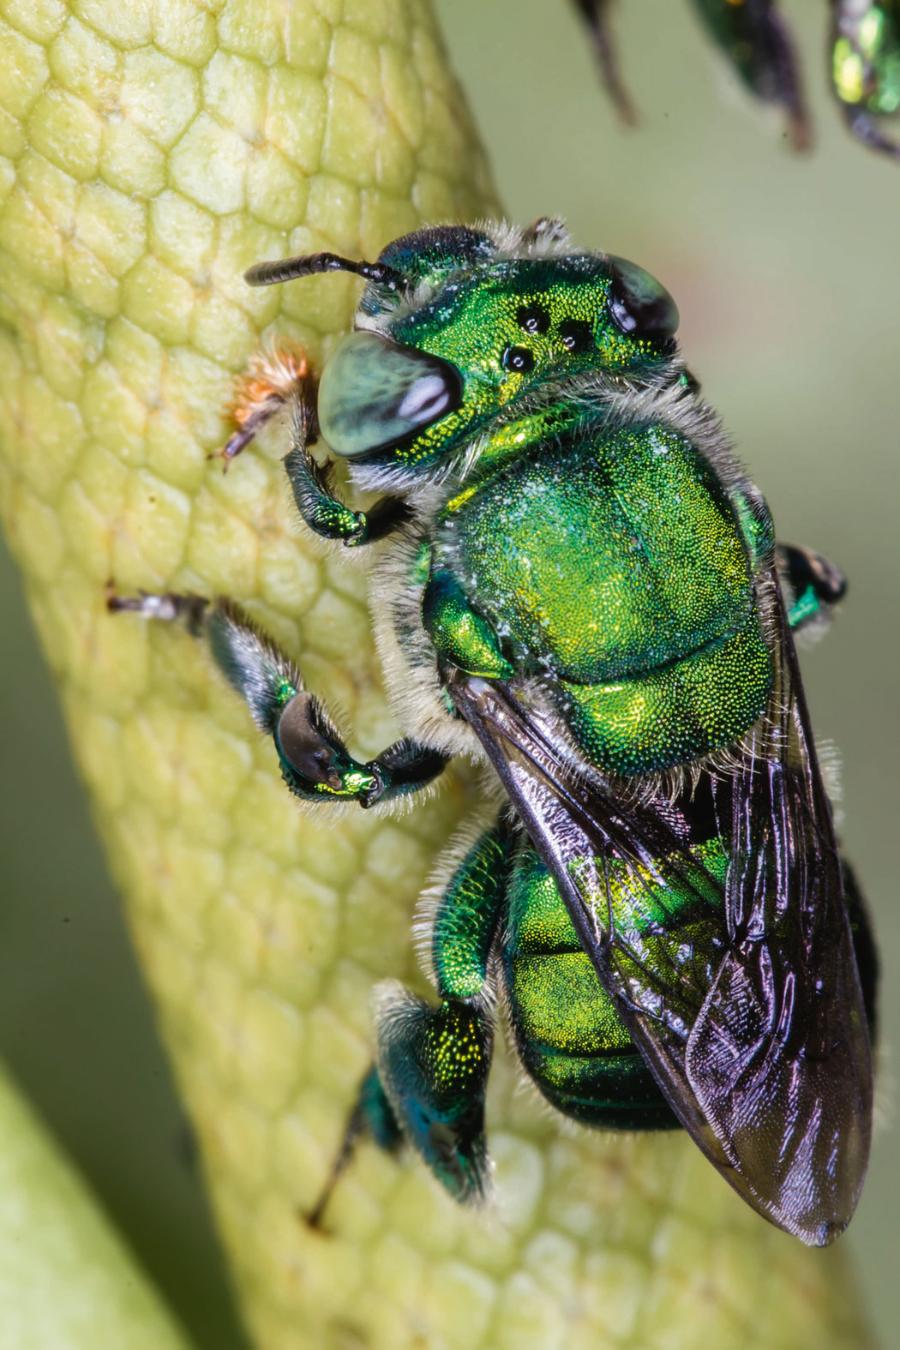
(314, 760)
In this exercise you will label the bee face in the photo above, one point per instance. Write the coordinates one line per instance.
(476, 331)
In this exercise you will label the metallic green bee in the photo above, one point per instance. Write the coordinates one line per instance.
(574, 581)
(865, 47)
(865, 58)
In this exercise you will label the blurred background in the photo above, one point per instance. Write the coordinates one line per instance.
(786, 273)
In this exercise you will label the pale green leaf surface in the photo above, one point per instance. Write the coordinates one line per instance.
(67, 1280)
(153, 150)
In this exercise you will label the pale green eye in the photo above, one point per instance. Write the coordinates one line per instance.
(374, 393)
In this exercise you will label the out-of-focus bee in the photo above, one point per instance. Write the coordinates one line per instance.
(864, 45)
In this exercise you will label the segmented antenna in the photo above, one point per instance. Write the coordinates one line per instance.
(286, 269)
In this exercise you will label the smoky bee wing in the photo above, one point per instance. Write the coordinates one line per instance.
(580, 832)
(779, 1058)
(757, 1036)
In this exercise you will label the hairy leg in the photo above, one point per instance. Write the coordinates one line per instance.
(279, 379)
(315, 762)
(434, 1061)
(429, 1083)
(864, 126)
(273, 379)
(372, 1115)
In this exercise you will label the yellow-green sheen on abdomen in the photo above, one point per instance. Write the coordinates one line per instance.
(568, 1032)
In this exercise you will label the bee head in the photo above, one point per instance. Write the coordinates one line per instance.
(458, 325)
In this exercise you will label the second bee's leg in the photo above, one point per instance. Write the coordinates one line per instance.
(816, 585)
(595, 14)
(315, 762)
(864, 126)
(434, 1061)
(758, 43)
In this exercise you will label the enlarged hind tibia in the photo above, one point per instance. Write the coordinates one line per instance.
(433, 1063)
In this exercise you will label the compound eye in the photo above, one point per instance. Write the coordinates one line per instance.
(519, 360)
(639, 304)
(374, 393)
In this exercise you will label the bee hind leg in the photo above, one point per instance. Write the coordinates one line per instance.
(434, 1064)
(314, 760)
(434, 1061)
(372, 1117)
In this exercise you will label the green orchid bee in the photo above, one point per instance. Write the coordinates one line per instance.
(865, 67)
(576, 586)
(864, 47)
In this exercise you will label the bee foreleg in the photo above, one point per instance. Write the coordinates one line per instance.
(326, 514)
(273, 378)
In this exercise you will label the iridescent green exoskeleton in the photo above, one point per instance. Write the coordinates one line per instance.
(864, 52)
(574, 582)
(865, 67)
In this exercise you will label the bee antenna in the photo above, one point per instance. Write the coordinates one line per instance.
(286, 269)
